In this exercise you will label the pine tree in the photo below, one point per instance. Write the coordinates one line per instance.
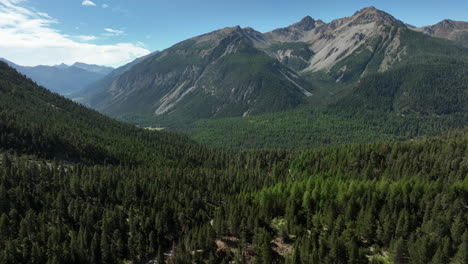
(105, 248)
(398, 251)
(461, 257)
(160, 256)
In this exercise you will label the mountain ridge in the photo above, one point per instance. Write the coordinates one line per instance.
(238, 72)
(447, 29)
(62, 78)
(128, 94)
(195, 65)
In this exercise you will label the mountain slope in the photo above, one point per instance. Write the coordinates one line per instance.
(149, 196)
(63, 79)
(184, 87)
(241, 72)
(217, 74)
(35, 121)
(448, 29)
(334, 41)
(103, 70)
(425, 94)
(83, 95)
(431, 87)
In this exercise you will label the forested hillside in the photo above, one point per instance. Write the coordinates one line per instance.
(424, 97)
(310, 127)
(36, 121)
(164, 198)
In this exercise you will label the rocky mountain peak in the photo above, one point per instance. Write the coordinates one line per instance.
(306, 24)
(229, 30)
(451, 24)
(447, 29)
(295, 31)
(447, 22)
(370, 9)
(247, 34)
(374, 15)
(319, 23)
(217, 35)
(61, 66)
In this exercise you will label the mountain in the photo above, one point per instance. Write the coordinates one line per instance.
(79, 187)
(399, 84)
(61, 66)
(327, 80)
(221, 73)
(35, 121)
(93, 68)
(63, 79)
(96, 87)
(425, 94)
(448, 29)
(241, 72)
(337, 40)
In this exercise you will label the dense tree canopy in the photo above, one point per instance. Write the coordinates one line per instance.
(77, 187)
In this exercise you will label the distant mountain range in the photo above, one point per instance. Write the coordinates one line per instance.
(448, 29)
(63, 79)
(242, 72)
(94, 89)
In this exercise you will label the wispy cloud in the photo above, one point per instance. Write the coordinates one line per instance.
(28, 37)
(104, 5)
(88, 3)
(45, 15)
(140, 44)
(113, 32)
(86, 38)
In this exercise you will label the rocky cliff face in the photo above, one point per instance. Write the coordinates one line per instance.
(334, 41)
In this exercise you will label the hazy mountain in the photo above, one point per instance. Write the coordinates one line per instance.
(63, 79)
(87, 67)
(448, 29)
(94, 88)
(61, 66)
(93, 68)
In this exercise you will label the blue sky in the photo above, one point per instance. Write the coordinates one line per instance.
(114, 32)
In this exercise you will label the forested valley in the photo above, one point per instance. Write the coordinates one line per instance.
(78, 187)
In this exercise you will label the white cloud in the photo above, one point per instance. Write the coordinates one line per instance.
(104, 5)
(140, 44)
(88, 3)
(45, 15)
(114, 32)
(86, 38)
(28, 38)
